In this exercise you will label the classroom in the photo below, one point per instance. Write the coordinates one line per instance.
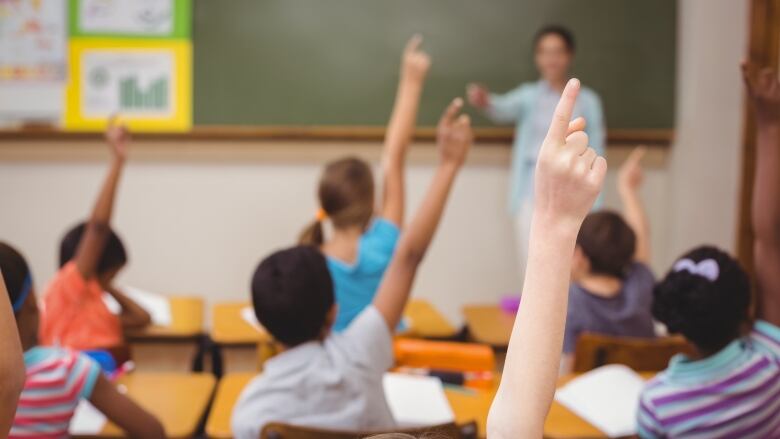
(390, 220)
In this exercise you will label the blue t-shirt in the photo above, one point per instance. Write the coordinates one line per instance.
(355, 284)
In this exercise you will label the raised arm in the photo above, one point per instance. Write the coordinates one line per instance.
(630, 180)
(454, 138)
(569, 176)
(98, 227)
(764, 93)
(12, 374)
(414, 67)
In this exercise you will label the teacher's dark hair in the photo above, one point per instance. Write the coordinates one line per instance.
(554, 29)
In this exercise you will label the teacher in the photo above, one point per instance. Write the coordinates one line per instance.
(530, 107)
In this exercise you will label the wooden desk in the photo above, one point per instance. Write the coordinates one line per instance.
(425, 321)
(174, 348)
(467, 405)
(229, 328)
(186, 322)
(178, 400)
(228, 390)
(489, 324)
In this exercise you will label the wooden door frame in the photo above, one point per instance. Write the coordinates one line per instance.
(764, 50)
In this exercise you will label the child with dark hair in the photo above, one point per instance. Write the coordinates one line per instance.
(334, 380)
(57, 379)
(731, 386)
(91, 255)
(11, 364)
(612, 286)
(364, 234)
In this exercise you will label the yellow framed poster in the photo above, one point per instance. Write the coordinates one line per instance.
(146, 82)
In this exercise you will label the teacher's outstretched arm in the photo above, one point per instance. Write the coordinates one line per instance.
(506, 108)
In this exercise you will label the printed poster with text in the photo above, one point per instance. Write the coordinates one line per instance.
(132, 58)
(33, 36)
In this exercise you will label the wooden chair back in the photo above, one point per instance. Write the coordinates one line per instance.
(642, 354)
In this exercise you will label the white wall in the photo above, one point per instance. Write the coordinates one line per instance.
(706, 159)
(197, 217)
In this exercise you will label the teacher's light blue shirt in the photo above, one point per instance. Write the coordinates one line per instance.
(530, 107)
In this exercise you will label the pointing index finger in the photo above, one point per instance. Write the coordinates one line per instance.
(452, 110)
(414, 43)
(563, 111)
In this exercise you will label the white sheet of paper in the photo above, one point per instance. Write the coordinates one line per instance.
(87, 420)
(158, 306)
(416, 400)
(607, 397)
(248, 314)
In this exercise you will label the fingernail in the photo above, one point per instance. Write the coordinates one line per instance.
(458, 101)
(574, 82)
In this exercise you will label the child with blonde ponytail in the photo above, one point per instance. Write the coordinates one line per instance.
(365, 232)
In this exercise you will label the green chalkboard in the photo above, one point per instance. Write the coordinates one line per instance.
(335, 62)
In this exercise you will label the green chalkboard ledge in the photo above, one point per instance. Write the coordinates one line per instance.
(651, 137)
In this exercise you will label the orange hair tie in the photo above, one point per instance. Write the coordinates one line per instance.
(321, 214)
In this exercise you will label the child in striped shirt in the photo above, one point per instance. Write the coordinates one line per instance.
(731, 388)
(58, 379)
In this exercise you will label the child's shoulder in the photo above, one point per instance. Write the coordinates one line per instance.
(766, 337)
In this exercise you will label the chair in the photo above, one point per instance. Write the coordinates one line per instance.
(285, 431)
(644, 354)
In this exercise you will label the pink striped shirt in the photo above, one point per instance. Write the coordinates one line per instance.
(57, 379)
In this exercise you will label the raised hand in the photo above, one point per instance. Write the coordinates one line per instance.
(416, 62)
(117, 136)
(569, 174)
(454, 135)
(478, 95)
(631, 176)
(764, 91)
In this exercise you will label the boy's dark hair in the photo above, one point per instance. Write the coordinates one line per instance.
(14, 269)
(608, 242)
(709, 313)
(554, 29)
(346, 194)
(292, 292)
(114, 254)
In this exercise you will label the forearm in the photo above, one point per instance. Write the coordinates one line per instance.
(766, 222)
(12, 374)
(533, 357)
(766, 207)
(133, 315)
(101, 213)
(399, 135)
(636, 217)
(396, 286)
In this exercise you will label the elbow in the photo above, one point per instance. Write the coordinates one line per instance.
(496, 427)
(152, 429)
(411, 258)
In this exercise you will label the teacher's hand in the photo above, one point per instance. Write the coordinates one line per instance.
(478, 95)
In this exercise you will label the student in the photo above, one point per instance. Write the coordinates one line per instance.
(334, 380)
(612, 286)
(731, 386)
(75, 315)
(58, 378)
(568, 178)
(363, 239)
(11, 363)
